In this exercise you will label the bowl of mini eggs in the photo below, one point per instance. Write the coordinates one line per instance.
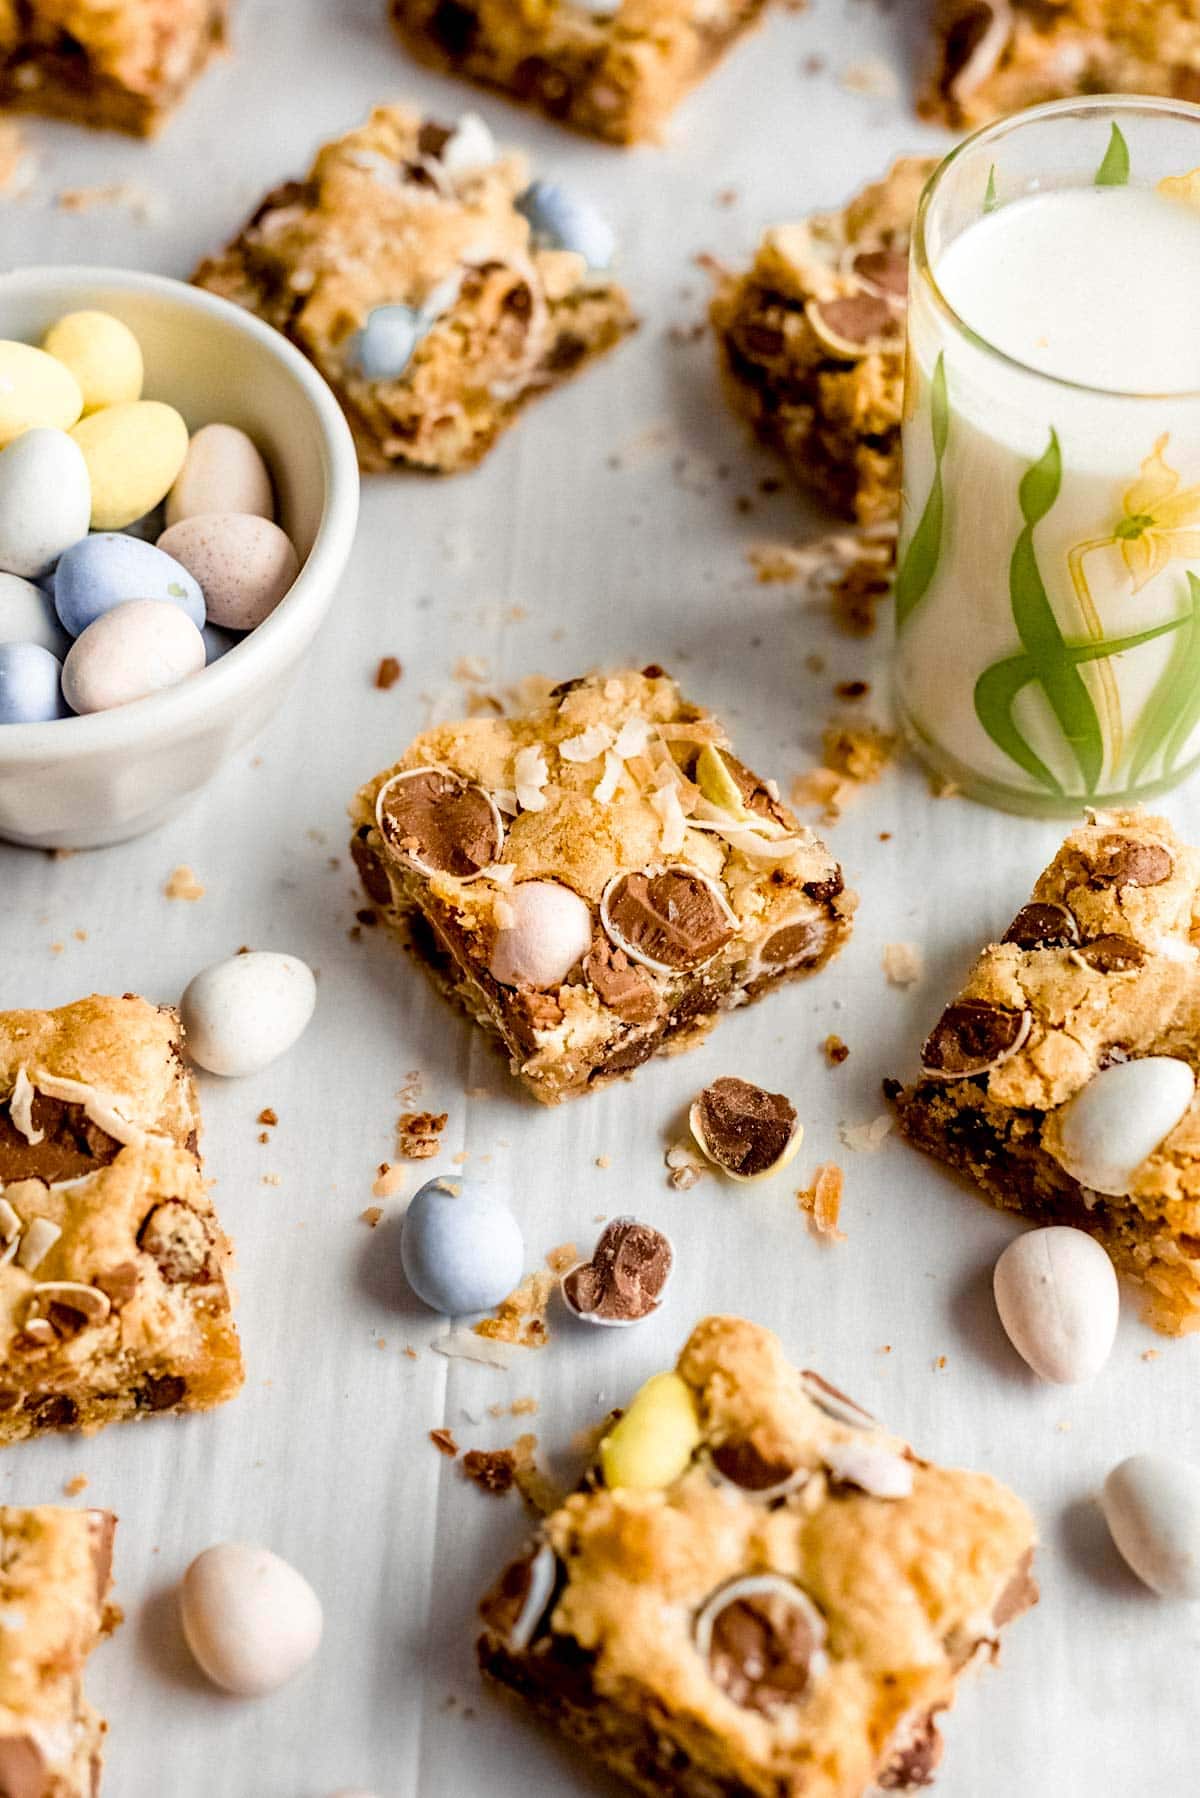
(178, 500)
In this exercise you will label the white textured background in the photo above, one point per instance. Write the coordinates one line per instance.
(326, 1457)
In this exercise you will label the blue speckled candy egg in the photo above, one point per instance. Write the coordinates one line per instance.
(30, 684)
(461, 1246)
(561, 220)
(27, 615)
(382, 350)
(108, 568)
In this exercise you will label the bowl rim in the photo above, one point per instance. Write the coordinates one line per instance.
(177, 711)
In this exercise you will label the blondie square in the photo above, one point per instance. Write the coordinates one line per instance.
(757, 1590)
(596, 879)
(113, 1298)
(811, 343)
(1061, 1078)
(126, 66)
(615, 68)
(404, 267)
(997, 56)
(55, 1574)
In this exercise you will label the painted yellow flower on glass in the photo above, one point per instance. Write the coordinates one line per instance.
(1159, 524)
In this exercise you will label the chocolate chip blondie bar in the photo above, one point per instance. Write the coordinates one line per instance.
(811, 343)
(615, 68)
(1062, 1078)
(126, 66)
(996, 56)
(404, 266)
(596, 879)
(113, 1301)
(757, 1590)
(55, 1576)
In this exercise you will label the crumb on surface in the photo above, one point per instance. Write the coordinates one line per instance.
(521, 1317)
(835, 1051)
(371, 1216)
(389, 1180)
(443, 1441)
(603, 1161)
(560, 1258)
(822, 1201)
(493, 1470)
(73, 1487)
(939, 1363)
(272, 1179)
(685, 1166)
(418, 1134)
(267, 1115)
(903, 964)
(388, 673)
(181, 883)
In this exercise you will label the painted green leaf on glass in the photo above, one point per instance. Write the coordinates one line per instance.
(1174, 697)
(1189, 715)
(1114, 170)
(920, 561)
(990, 197)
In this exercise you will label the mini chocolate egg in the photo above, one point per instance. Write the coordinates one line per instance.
(242, 1014)
(244, 565)
(103, 355)
(1056, 1292)
(561, 220)
(35, 392)
(546, 930)
(30, 684)
(103, 570)
(460, 1246)
(27, 615)
(45, 501)
(251, 1621)
(137, 648)
(1119, 1118)
(133, 453)
(382, 349)
(222, 472)
(1151, 1504)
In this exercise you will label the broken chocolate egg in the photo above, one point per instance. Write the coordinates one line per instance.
(516, 1607)
(973, 1037)
(1119, 1118)
(744, 1130)
(547, 930)
(626, 1277)
(834, 1403)
(764, 1641)
(673, 919)
(1043, 926)
(873, 1469)
(764, 1478)
(856, 325)
(974, 49)
(439, 822)
(1123, 862)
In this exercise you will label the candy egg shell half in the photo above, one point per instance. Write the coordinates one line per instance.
(244, 565)
(1056, 1292)
(35, 391)
(45, 501)
(27, 616)
(102, 570)
(250, 1619)
(30, 684)
(133, 453)
(137, 648)
(1151, 1504)
(460, 1246)
(103, 355)
(222, 472)
(1120, 1117)
(547, 930)
(242, 1014)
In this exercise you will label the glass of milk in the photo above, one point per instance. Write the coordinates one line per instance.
(1048, 584)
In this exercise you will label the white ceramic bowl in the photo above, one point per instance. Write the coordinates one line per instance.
(78, 783)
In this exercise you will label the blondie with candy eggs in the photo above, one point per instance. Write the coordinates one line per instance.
(596, 879)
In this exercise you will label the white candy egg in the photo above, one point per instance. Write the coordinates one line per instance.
(45, 501)
(222, 472)
(1056, 1292)
(27, 615)
(1120, 1117)
(135, 649)
(548, 929)
(251, 1621)
(1151, 1504)
(240, 1015)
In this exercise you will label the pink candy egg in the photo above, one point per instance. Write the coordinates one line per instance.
(137, 648)
(244, 564)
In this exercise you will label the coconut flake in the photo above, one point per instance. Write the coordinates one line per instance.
(588, 745)
(464, 1345)
(868, 1138)
(20, 1108)
(506, 801)
(610, 780)
(674, 830)
(531, 774)
(632, 737)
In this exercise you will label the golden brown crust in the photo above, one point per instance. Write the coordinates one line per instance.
(1128, 890)
(907, 1587)
(831, 410)
(101, 63)
(597, 780)
(382, 220)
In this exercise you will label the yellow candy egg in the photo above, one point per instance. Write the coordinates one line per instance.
(133, 453)
(652, 1444)
(103, 355)
(35, 390)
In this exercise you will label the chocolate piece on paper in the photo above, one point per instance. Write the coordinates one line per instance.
(624, 1280)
